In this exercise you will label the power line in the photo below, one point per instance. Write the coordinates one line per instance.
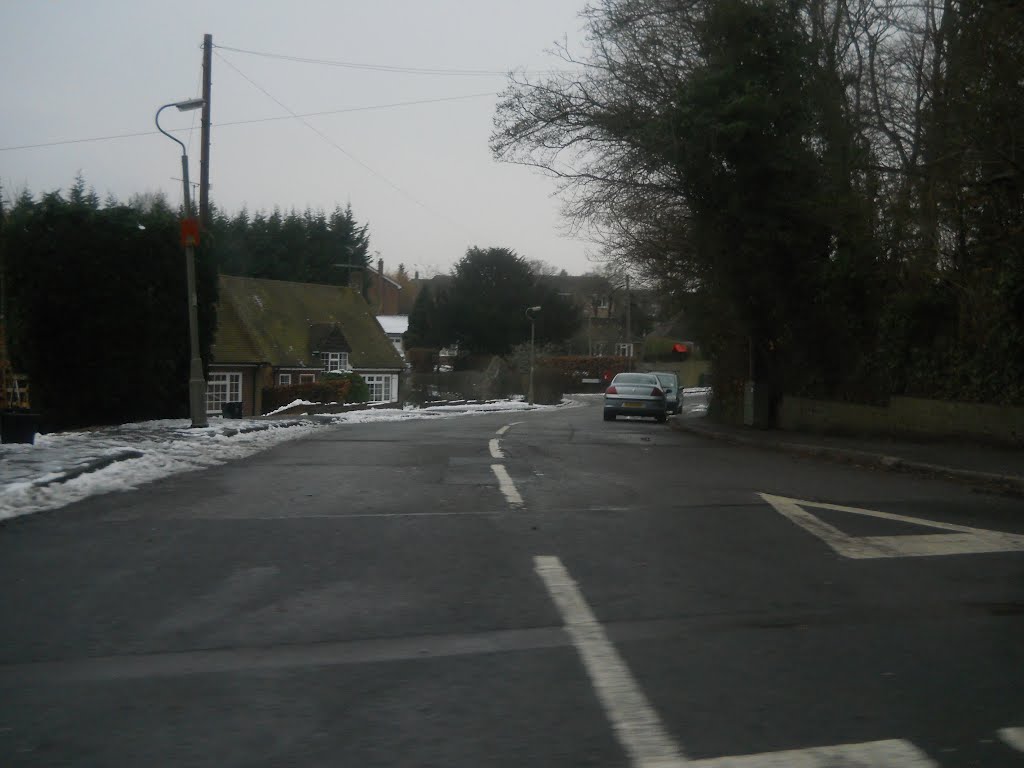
(338, 147)
(114, 137)
(393, 69)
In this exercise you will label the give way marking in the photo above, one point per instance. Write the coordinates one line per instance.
(959, 539)
(639, 729)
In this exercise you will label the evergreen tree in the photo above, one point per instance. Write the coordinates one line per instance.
(97, 309)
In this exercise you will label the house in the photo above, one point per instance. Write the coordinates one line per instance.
(383, 293)
(395, 327)
(274, 333)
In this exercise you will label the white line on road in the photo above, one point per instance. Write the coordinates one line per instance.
(504, 429)
(495, 449)
(1014, 737)
(636, 724)
(640, 730)
(507, 486)
(959, 539)
(893, 753)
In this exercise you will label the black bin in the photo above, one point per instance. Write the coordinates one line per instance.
(18, 426)
(231, 410)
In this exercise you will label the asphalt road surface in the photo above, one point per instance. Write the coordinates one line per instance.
(521, 590)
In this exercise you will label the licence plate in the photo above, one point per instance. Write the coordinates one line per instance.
(633, 405)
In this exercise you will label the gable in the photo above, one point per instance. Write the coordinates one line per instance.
(327, 337)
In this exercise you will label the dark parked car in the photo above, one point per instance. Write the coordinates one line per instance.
(673, 395)
(635, 394)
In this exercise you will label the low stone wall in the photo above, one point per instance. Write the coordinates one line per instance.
(907, 416)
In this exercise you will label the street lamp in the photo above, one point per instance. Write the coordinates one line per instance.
(531, 314)
(196, 382)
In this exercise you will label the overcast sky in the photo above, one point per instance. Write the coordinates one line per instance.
(421, 176)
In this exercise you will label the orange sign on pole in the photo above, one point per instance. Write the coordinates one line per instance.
(189, 232)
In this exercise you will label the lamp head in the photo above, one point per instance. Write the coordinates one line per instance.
(189, 105)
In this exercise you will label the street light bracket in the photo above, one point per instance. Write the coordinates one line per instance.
(181, 106)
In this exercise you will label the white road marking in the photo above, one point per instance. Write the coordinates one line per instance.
(636, 724)
(640, 730)
(1013, 737)
(507, 486)
(504, 429)
(962, 540)
(495, 449)
(893, 753)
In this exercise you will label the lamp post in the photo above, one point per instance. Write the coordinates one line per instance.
(196, 382)
(531, 314)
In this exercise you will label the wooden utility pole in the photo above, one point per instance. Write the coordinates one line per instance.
(204, 152)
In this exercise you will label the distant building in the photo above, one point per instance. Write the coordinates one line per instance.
(395, 327)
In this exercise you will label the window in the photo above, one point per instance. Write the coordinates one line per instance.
(307, 378)
(624, 350)
(222, 388)
(335, 361)
(380, 388)
(284, 379)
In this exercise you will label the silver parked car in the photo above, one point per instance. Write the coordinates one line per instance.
(673, 394)
(634, 394)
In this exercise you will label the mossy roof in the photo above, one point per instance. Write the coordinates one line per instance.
(269, 321)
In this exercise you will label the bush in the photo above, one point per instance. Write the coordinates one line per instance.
(575, 368)
(332, 388)
(658, 348)
(422, 359)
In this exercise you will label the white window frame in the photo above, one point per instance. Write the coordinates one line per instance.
(624, 349)
(284, 379)
(335, 361)
(383, 387)
(307, 378)
(222, 387)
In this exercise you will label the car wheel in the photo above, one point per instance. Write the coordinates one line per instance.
(661, 419)
(609, 417)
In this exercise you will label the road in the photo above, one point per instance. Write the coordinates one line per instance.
(530, 589)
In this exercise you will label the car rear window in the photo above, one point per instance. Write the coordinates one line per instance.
(635, 378)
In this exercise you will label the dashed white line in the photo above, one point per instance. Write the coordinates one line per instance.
(636, 724)
(1013, 737)
(508, 488)
(495, 449)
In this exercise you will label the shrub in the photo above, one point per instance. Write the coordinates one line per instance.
(422, 359)
(332, 388)
(575, 368)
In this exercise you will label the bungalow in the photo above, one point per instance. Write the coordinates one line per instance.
(271, 332)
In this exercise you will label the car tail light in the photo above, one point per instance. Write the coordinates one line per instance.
(657, 393)
(611, 391)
